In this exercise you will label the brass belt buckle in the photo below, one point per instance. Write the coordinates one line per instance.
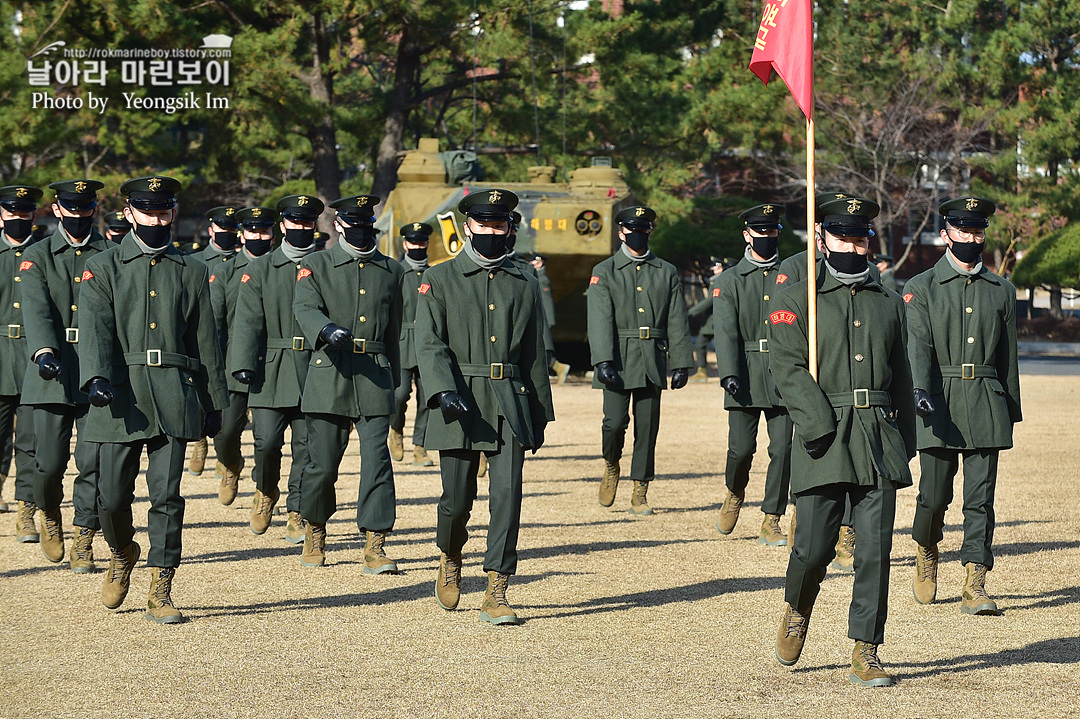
(359, 346)
(865, 401)
(72, 335)
(967, 371)
(496, 370)
(763, 345)
(14, 332)
(643, 333)
(298, 343)
(153, 358)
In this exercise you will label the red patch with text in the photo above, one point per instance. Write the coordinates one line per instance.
(424, 288)
(212, 277)
(907, 297)
(594, 280)
(782, 316)
(26, 264)
(244, 279)
(781, 278)
(716, 292)
(87, 275)
(302, 274)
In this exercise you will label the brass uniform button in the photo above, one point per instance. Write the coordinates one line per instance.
(153, 262)
(858, 358)
(362, 318)
(363, 291)
(74, 308)
(78, 279)
(857, 323)
(153, 293)
(641, 309)
(78, 252)
(968, 310)
(153, 325)
(318, 361)
(361, 264)
(968, 282)
(18, 279)
(971, 340)
(766, 298)
(639, 289)
(491, 275)
(491, 307)
(16, 305)
(492, 338)
(852, 291)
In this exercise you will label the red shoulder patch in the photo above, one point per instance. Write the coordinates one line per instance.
(87, 275)
(212, 277)
(781, 278)
(245, 278)
(25, 265)
(716, 292)
(782, 316)
(423, 289)
(594, 280)
(305, 272)
(907, 297)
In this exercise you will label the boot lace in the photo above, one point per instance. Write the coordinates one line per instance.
(452, 573)
(796, 624)
(848, 540)
(84, 544)
(641, 489)
(52, 524)
(117, 566)
(266, 504)
(378, 543)
(26, 515)
(318, 536)
(978, 582)
(868, 656)
(772, 524)
(732, 504)
(498, 589)
(163, 587)
(928, 563)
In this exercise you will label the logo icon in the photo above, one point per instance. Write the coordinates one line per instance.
(217, 42)
(230, 212)
(361, 201)
(256, 212)
(640, 211)
(416, 227)
(155, 184)
(853, 206)
(80, 186)
(302, 201)
(21, 192)
(494, 196)
(972, 203)
(767, 209)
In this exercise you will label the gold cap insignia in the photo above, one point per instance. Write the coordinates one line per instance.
(303, 200)
(21, 192)
(640, 211)
(80, 186)
(767, 209)
(256, 212)
(416, 227)
(494, 196)
(840, 195)
(972, 203)
(853, 206)
(230, 212)
(155, 184)
(361, 201)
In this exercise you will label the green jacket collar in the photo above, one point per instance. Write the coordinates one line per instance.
(340, 257)
(828, 283)
(944, 271)
(465, 264)
(130, 250)
(621, 260)
(746, 267)
(58, 243)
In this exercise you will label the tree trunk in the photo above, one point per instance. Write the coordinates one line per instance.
(397, 113)
(321, 133)
(1056, 310)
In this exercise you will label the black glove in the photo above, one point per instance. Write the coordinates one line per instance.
(924, 406)
(730, 384)
(452, 405)
(606, 374)
(817, 448)
(679, 377)
(99, 390)
(47, 366)
(538, 436)
(244, 376)
(211, 424)
(335, 336)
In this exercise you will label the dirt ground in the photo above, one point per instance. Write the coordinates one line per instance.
(623, 616)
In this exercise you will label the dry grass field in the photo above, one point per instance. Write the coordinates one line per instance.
(623, 616)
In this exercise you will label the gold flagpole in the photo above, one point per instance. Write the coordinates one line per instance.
(811, 251)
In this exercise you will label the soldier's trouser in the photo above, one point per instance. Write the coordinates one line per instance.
(52, 450)
(939, 467)
(119, 463)
(233, 421)
(459, 468)
(646, 401)
(17, 424)
(328, 436)
(701, 349)
(401, 398)
(7, 438)
(820, 511)
(270, 424)
(742, 442)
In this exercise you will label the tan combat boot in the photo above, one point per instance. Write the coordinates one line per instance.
(420, 457)
(729, 512)
(483, 465)
(262, 510)
(609, 484)
(314, 554)
(562, 371)
(975, 600)
(866, 669)
(924, 585)
(495, 609)
(197, 463)
(771, 534)
(3, 505)
(219, 469)
(792, 635)
(845, 551)
(159, 604)
(81, 557)
(397, 445)
(25, 527)
(375, 559)
(639, 503)
(118, 578)
(230, 481)
(294, 528)
(448, 583)
(51, 528)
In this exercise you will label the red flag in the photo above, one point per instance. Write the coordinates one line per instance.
(785, 41)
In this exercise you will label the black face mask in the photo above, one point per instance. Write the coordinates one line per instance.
(967, 252)
(154, 236)
(490, 246)
(77, 227)
(362, 237)
(299, 237)
(848, 263)
(511, 240)
(765, 247)
(225, 240)
(637, 241)
(18, 229)
(257, 248)
(417, 254)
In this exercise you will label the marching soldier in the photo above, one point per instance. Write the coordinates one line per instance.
(348, 304)
(51, 287)
(967, 391)
(480, 344)
(153, 370)
(17, 206)
(637, 330)
(705, 333)
(268, 353)
(415, 237)
(116, 226)
(257, 232)
(221, 248)
(856, 425)
(884, 264)
(742, 302)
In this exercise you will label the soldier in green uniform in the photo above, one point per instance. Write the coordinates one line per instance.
(51, 285)
(153, 371)
(480, 344)
(704, 309)
(348, 304)
(116, 226)
(220, 248)
(962, 349)
(884, 264)
(268, 353)
(415, 237)
(637, 330)
(856, 424)
(257, 232)
(742, 300)
(17, 206)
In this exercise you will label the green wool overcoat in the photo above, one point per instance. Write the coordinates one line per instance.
(14, 356)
